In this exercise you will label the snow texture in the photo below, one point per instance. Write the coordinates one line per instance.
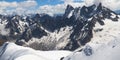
(15, 52)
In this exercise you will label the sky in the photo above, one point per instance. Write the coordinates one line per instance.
(44, 2)
(39, 2)
(49, 6)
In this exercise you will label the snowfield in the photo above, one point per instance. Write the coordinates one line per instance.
(15, 52)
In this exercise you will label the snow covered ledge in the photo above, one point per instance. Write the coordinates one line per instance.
(11, 51)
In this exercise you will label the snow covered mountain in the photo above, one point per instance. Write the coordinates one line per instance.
(89, 32)
(104, 45)
(73, 29)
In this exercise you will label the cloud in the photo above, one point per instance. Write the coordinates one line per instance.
(59, 8)
(67, 1)
(51, 9)
(18, 7)
(7, 4)
(27, 4)
(31, 6)
(112, 4)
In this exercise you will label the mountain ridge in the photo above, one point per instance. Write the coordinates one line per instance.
(68, 32)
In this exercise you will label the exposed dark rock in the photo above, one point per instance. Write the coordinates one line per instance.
(67, 11)
(83, 25)
(88, 50)
(62, 58)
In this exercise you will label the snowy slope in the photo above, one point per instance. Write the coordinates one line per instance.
(15, 52)
(105, 44)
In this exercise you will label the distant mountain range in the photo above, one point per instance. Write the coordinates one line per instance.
(69, 31)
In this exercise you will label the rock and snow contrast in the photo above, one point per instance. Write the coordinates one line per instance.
(87, 32)
(104, 45)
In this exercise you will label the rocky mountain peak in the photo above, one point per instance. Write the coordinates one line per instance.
(74, 28)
